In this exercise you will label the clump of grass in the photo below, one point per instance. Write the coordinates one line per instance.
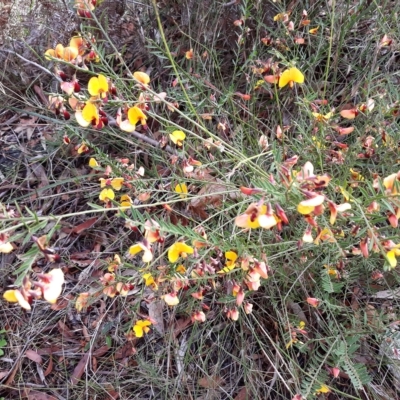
(241, 239)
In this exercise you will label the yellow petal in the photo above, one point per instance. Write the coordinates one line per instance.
(69, 54)
(182, 189)
(138, 331)
(291, 75)
(391, 257)
(116, 183)
(177, 136)
(80, 120)
(10, 296)
(135, 114)
(107, 194)
(136, 248)
(93, 163)
(305, 210)
(142, 77)
(50, 53)
(98, 85)
(90, 113)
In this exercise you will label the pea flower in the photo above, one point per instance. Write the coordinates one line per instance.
(230, 259)
(177, 137)
(179, 249)
(171, 299)
(291, 76)
(141, 327)
(182, 189)
(63, 53)
(142, 77)
(139, 247)
(98, 86)
(135, 115)
(257, 215)
(5, 245)
(314, 200)
(51, 284)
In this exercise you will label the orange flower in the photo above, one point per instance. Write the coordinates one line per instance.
(63, 53)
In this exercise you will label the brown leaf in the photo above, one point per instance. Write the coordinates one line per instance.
(242, 395)
(180, 325)
(84, 225)
(64, 330)
(49, 368)
(101, 351)
(126, 350)
(79, 369)
(210, 382)
(36, 395)
(3, 374)
(33, 356)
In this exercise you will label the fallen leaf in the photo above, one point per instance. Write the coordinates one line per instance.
(210, 382)
(242, 395)
(36, 395)
(101, 351)
(49, 368)
(180, 325)
(79, 369)
(33, 356)
(156, 313)
(84, 225)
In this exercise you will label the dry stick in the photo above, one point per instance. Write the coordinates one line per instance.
(32, 63)
(137, 135)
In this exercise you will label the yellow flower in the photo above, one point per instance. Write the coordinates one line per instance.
(89, 115)
(149, 280)
(142, 77)
(230, 257)
(63, 53)
(313, 31)
(181, 269)
(179, 249)
(182, 189)
(98, 86)
(141, 327)
(93, 163)
(177, 137)
(322, 118)
(256, 216)
(107, 195)
(135, 114)
(307, 206)
(15, 296)
(291, 76)
(138, 247)
(115, 183)
(125, 201)
(391, 257)
(322, 389)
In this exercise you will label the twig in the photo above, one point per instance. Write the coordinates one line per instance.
(137, 135)
(32, 63)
